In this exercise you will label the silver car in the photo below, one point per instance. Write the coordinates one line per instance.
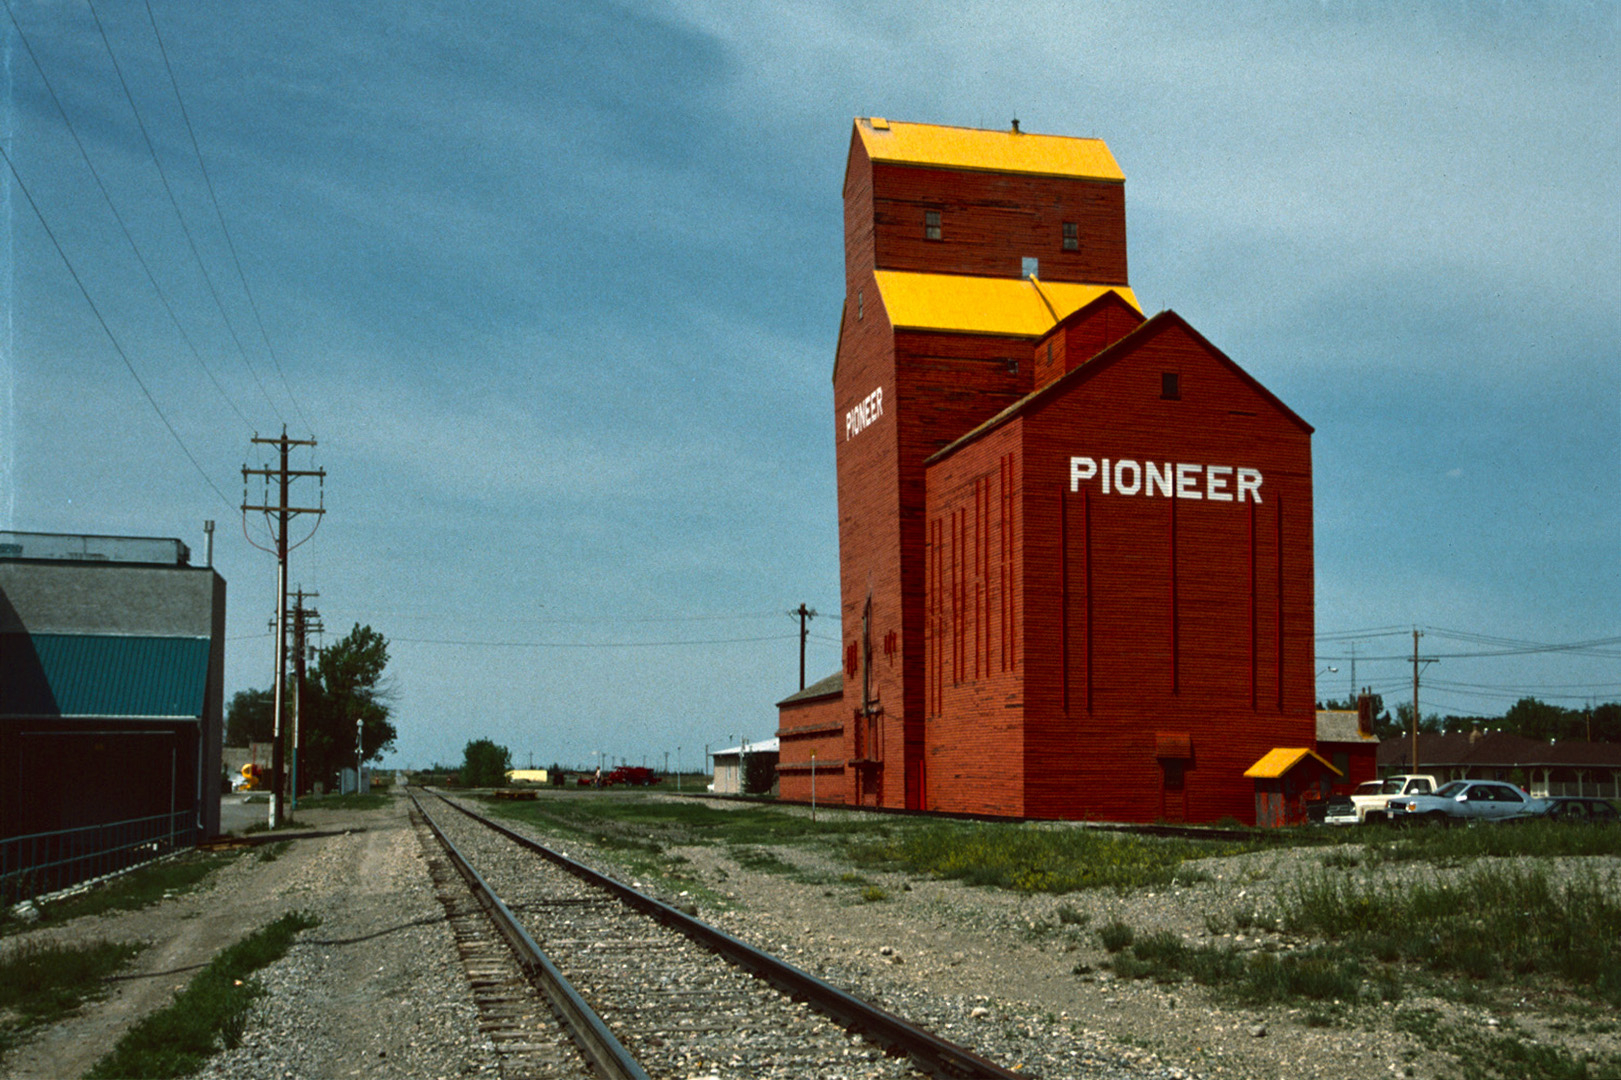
(1464, 801)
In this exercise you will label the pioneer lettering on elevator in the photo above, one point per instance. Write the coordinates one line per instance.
(1181, 480)
(864, 414)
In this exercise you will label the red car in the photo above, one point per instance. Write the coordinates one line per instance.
(634, 775)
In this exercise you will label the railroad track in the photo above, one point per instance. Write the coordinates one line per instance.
(650, 991)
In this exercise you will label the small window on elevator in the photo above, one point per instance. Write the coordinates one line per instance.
(1170, 386)
(931, 225)
(1072, 236)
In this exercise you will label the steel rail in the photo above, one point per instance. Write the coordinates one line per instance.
(926, 1050)
(599, 1045)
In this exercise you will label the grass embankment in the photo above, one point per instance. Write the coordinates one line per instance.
(41, 983)
(141, 887)
(208, 1015)
(1032, 860)
(639, 831)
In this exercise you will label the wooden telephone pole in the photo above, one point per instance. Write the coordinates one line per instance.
(805, 615)
(305, 621)
(1417, 660)
(277, 515)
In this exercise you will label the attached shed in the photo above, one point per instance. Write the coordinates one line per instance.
(1287, 781)
(810, 733)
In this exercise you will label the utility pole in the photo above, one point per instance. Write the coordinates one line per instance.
(1352, 698)
(277, 515)
(805, 614)
(1416, 661)
(305, 620)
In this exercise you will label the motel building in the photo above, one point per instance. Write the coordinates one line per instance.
(1075, 540)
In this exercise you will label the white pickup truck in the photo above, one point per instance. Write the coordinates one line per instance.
(1366, 805)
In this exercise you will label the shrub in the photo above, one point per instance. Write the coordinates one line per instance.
(1115, 936)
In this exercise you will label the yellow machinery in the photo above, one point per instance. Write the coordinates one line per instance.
(252, 777)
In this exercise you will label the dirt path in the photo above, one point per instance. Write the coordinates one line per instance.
(354, 881)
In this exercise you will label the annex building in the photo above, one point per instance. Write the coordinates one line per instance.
(112, 676)
(1075, 541)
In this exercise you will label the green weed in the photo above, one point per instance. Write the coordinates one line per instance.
(206, 1016)
(1493, 923)
(138, 888)
(1068, 915)
(764, 862)
(1506, 1056)
(272, 852)
(41, 982)
(1037, 860)
(1116, 935)
(1542, 839)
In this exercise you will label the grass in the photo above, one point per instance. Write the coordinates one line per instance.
(138, 888)
(40, 983)
(272, 852)
(1040, 860)
(208, 1015)
(1484, 1056)
(1541, 839)
(638, 831)
(1493, 923)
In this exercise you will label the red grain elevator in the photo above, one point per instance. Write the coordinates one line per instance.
(1075, 543)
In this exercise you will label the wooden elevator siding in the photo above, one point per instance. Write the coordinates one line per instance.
(1083, 335)
(1098, 569)
(991, 221)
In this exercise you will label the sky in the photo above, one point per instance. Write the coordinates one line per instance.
(555, 287)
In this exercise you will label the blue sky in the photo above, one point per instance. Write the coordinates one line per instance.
(556, 287)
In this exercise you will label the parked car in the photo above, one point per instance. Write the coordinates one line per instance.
(634, 775)
(1367, 803)
(1581, 810)
(1465, 801)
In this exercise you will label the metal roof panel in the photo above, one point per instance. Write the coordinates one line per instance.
(1009, 307)
(102, 675)
(989, 151)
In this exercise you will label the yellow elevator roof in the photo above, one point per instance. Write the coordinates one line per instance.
(1012, 307)
(989, 151)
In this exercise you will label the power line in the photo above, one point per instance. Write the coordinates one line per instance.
(1357, 635)
(220, 214)
(107, 197)
(180, 217)
(588, 644)
(107, 329)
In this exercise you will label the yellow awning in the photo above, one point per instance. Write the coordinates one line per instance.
(989, 151)
(1014, 307)
(1280, 760)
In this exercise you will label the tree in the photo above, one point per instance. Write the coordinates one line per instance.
(251, 717)
(346, 690)
(1535, 719)
(485, 764)
(1606, 722)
